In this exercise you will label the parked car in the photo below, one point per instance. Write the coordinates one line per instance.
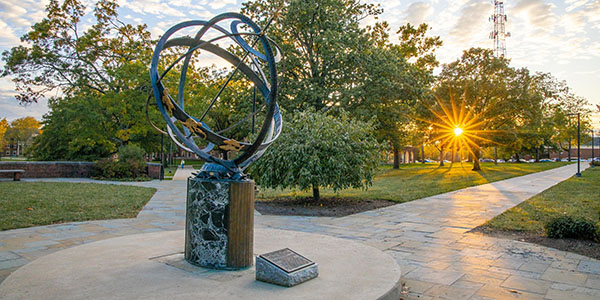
(486, 160)
(546, 160)
(500, 160)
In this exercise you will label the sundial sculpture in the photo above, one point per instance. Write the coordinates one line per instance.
(220, 199)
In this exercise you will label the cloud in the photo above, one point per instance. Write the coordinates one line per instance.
(417, 12)
(574, 4)
(8, 38)
(538, 13)
(152, 7)
(472, 22)
(221, 3)
(22, 13)
(10, 108)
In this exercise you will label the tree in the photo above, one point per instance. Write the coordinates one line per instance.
(101, 74)
(21, 131)
(3, 127)
(489, 96)
(417, 47)
(317, 150)
(322, 40)
(418, 50)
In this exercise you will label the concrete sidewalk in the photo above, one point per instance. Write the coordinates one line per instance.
(428, 237)
(439, 258)
(183, 174)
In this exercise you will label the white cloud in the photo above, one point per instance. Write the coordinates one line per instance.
(417, 12)
(538, 13)
(11, 109)
(152, 7)
(472, 22)
(8, 37)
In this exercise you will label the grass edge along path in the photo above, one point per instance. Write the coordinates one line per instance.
(26, 204)
(417, 181)
(578, 197)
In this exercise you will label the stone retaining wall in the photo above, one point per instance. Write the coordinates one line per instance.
(56, 169)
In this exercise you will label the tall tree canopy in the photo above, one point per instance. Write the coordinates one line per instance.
(100, 74)
(322, 42)
(20, 132)
(484, 96)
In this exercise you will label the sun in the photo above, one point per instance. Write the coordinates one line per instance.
(458, 126)
(458, 131)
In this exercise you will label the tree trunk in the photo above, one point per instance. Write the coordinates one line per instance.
(517, 157)
(537, 155)
(441, 156)
(396, 158)
(569, 150)
(316, 196)
(495, 155)
(422, 154)
(476, 166)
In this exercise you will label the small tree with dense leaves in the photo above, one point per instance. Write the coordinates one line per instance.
(318, 150)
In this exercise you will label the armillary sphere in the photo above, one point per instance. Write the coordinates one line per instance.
(257, 65)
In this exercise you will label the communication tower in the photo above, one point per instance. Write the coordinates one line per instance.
(499, 33)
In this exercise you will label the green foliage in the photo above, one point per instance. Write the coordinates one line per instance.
(415, 44)
(570, 227)
(20, 131)
(323, 45)
(101, 73)
(3, 128)
(319, 150)
(130, 165)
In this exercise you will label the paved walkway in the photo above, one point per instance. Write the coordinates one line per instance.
(428, 237)
(183, 174)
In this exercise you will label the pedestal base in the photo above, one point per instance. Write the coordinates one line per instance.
(151, 266)
(219, 223)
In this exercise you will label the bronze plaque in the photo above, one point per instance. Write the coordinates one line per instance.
(287, 260)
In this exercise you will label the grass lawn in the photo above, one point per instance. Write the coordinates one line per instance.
(416, 181)
(576, 197)
(26, 204)
(170, 172)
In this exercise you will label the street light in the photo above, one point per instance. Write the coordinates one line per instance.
(592, 130)
(578, 174)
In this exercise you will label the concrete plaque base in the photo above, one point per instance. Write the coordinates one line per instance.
(151, 266)
(269, 271)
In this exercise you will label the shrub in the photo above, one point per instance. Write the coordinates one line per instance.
(569, 227)
(317, 150)
(130, 165)
(131, 161)
(595, 163)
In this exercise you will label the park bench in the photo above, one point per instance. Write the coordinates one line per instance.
(16, 173)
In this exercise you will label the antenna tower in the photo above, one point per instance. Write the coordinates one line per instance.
(499, 34)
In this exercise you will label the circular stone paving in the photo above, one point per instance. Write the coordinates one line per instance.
(151, 266)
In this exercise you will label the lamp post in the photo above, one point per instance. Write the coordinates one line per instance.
(578, 174)
(592, 130)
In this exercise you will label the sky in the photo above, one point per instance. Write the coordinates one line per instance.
(559, 37)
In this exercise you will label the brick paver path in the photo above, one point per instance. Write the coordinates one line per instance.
(428, 237)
